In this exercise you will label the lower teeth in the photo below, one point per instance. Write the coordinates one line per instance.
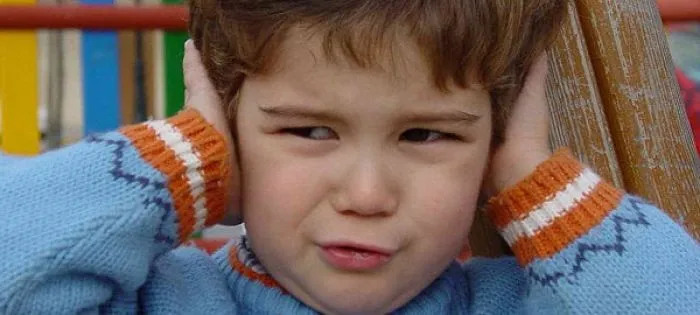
(360, 255)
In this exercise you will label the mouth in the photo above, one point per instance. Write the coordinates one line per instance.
(349, 256)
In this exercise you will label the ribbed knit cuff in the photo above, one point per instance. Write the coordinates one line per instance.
(195, 161)
(551, 208)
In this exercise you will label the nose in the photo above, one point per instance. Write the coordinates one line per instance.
(367, 188)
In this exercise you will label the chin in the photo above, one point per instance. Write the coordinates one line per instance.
(348, 306)
(351, 300)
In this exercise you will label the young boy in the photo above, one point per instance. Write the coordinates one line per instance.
(365, 132)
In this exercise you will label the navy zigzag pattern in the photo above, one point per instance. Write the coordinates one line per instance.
(584, 249)
(118, 173)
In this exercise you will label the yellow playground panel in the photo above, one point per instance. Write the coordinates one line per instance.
(19, 74)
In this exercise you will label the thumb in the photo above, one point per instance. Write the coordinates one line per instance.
(195, 75)
(530, 113)
(535, 83)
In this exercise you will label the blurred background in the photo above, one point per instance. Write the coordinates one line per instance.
(58, 85)
(68, 73)
(127, 75)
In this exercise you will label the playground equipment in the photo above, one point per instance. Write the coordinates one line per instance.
(117, 86)
(615, 99)
(616, 103)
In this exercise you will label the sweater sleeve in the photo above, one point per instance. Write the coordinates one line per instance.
(588, 248)
(84, 224)
(6, 162)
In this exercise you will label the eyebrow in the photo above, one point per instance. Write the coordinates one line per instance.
(451, 116)
(293, 111)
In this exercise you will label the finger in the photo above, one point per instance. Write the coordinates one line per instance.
(530, 115)
(536, 79)
(194, 71)
(533, 97)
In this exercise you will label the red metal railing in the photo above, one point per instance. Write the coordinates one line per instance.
(175, 17)
(679, 10)
(93, 17)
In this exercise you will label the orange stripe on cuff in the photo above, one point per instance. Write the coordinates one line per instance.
(585, 215)
(157, 154)
(184, 204)
(149, 146)
(549, 178)
(215, 200)
(215, 169)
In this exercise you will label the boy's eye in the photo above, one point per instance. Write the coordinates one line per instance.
(313, 133)
(425, 135)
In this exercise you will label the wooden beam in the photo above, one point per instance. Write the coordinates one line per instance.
(126, 75)
(484, 239)
(640, 94)
(150, 64)
(578, 117)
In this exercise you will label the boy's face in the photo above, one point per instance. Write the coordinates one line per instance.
(359, 186)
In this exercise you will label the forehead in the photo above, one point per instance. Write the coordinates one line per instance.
(397, 72)
(305, 49)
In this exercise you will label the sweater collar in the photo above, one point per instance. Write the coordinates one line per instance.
(256, 292)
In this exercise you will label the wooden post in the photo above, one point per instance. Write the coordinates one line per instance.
(484, 239)
(578, 117)
(149, 64)
(615, 102)
(126, 75)
(641, 98)
(578, 121)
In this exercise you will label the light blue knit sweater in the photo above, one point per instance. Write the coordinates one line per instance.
(95, 228)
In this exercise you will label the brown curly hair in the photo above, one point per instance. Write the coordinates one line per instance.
(491, 41)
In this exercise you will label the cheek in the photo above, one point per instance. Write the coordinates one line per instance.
(277, 193)
(446, 200)
(273, 204)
